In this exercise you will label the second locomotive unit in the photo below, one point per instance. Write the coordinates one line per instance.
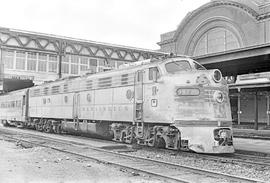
(173, 103)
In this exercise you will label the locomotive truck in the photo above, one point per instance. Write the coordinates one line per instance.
(172, 103)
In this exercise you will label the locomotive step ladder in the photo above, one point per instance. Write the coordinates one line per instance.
(138, 103)
(139, 119)
(76, 110)
(139, 112)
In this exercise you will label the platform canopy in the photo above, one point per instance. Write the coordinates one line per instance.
(240, 61)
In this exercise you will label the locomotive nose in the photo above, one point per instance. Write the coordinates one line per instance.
(210, 77)
(202, 79)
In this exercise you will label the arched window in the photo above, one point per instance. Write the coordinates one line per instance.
(216, 40)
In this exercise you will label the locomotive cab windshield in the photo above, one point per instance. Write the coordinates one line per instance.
(182, 65)
(198, 66)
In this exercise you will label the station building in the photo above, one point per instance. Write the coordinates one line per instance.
(233, 36)
(30, 58)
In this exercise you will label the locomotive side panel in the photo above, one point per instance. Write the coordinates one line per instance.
(67, 105)
(59, 106)
(51, 106)
(123, 103)
(33, 106)
(103, 104)
(157, 103)
(87, 105)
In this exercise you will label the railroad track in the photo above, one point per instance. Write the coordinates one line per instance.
(234, 158)
(252, 159)
(164, 170)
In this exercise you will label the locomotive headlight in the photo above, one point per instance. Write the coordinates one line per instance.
(219, 96)
(217, 76)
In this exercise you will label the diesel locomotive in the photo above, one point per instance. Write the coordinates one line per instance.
(172, 103)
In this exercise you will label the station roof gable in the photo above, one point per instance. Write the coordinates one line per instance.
(258, 9)
(12, 38)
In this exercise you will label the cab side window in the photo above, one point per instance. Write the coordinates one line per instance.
(139, 76)
(153, 71)
(198, 66)
(23, 101)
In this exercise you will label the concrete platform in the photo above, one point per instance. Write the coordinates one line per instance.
(252, 140)
(251, 133)
(254, 145)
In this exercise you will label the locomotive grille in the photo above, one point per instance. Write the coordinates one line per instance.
(36, 92)
(105, 82)
(89, 84)
(65, 88)
(46, 90)
(55, 89)
(124, 79)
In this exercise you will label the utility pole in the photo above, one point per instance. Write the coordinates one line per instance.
(1, 71)
(239, 107)
(256, 111)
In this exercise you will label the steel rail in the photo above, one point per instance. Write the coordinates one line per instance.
(195, 171)
(253, 160)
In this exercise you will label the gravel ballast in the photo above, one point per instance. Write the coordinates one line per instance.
(194, 160)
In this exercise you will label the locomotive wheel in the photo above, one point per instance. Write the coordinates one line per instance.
(123, 137)
(4, 122)
(48, 127)
(134, 140)
(160, 143)
(58, 129)
(40, 126)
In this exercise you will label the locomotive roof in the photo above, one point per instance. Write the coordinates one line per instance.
(144, 64)
(14, 92)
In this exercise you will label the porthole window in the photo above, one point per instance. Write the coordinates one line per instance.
(48, 100)
(66, 99)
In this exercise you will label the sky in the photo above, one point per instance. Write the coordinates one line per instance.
(136, 23)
